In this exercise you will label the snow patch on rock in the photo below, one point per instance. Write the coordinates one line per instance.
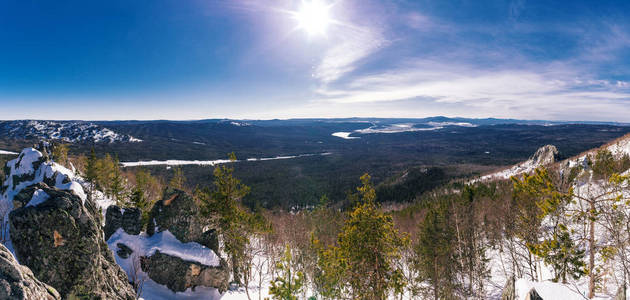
(38, 197)
(544, 156)
(167, 243)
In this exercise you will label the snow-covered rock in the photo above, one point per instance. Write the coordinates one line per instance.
(544, 156)
(164, 242)
(55, 230)
(176, 251)
(59, 237)
(32, 167)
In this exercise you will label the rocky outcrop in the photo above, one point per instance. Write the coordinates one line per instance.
(123, 250)
(17, 282)
(178, 213)
(132, 221)
(545, 155)
(25, 161)
(26, 194)
(61, 240)
(129, 219)
(113, 220)
(179, 275)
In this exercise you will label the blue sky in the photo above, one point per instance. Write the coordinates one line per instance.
(556, 60)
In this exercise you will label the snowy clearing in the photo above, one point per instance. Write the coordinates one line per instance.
(403, 127)
(5, 152)
(345, 135)
(174, 162)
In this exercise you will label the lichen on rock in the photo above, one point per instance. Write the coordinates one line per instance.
(61, 240)
(17, 282)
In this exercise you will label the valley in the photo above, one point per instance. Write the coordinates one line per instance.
(459, 147)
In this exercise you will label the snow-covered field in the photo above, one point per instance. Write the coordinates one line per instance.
(7, 152)
(344, 135)
(174, 162)
(398, 128)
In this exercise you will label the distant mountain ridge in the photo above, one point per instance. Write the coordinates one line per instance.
(307, 121)
(68, 131)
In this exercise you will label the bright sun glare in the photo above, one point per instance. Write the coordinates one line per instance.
(313, 17)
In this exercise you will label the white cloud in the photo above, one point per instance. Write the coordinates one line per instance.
(351, 44)
(523, 93)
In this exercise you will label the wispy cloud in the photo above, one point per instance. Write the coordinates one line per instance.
(532, 93)
(477, 70)
(354, 44)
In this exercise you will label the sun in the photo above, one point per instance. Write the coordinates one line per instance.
(313, 17)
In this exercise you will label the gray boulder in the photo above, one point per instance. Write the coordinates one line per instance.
(17, 282)
(545, 155)
(17, 179)
(123, 250)
(61, 241)
(26, 194)
(178, 213)
(129, 219)
(179, 275)
(132, 221)
(113, 220)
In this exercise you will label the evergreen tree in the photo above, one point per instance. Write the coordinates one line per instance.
(289, 283)
(105, 167)
(60, 154)
(435, 251)
(117, 182)
(179, 180)
(471, 241)
(91, 172)
(362, 264)
(556, 248)
(561, 254)
(223, 207)
(144, 193)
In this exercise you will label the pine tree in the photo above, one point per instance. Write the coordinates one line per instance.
(470, 240)
(179, 179)
(223, 207)
(557, 249)
(362, 264)
(435, 251)
(289, 283)
(60, 154)
(143, 193)
(560, 253)
(91, 172)
(117, 182)
(105, 167)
